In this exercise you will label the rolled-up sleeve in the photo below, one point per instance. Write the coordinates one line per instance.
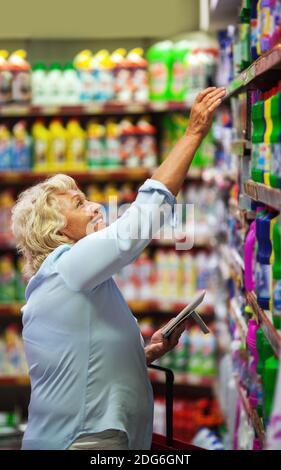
(98, 256)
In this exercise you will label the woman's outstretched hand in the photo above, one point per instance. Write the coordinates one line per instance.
(203, 109)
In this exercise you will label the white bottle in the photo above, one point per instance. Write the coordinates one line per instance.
(39, 83)
(70, 85)
(54, 85)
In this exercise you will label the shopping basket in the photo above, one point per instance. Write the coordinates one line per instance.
(168, 442)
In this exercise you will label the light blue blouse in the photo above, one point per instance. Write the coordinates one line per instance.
(83, 345)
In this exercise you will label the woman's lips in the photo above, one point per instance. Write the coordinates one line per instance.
(95, 224)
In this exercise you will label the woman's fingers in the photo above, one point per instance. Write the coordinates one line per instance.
(212, 97)
(204, 93)
(214, 105)
(209, 93)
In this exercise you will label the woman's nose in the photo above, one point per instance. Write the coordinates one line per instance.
(92, 208)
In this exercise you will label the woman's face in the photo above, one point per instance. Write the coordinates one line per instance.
(82, 217)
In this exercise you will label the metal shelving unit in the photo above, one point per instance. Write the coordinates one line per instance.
(270, 332)
(91, 109)
(262, 193)
(262, 74)
(251, 413)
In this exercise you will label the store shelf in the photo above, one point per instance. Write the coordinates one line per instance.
(16, 380)
(240, 147)
(270, 332)
(241, 215)
(251, 413)
(166, 308)
(182, 378)
(236, 314)
(263, 73)
(138, 307)
(91, 175)
(6, 242)
(262, 193)
(10, 309)
(199, 242)
(233, 259)
(90, 109)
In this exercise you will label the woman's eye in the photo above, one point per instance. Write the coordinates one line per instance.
(79, 203)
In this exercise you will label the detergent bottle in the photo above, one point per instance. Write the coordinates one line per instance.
(41, 141)
(253, 360)
(7, 279)
(265, 25)
(267, 137)
(20, 281)
(106, 77)
(122, 76)
(264, 253)
(275, 166)
(6, 78)
(21, 71)
(147, 143)
(254, 29)
(55, 84)
(76, 143)
(258, 120)
(6, 204)
(249, 258)
(39, 84)
(21, 147)
(178, 73)
(139, 75)
(130, 151)
(70, 85)
(82, 63)
(58, 146)
(269, 378)
(113, 144)
(102, 72)
(5, 148)
(160, 57)
(276, 275)
(96, 151)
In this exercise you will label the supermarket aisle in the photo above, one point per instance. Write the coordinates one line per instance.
(107, 118)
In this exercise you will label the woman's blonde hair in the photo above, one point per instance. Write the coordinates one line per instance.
(37, 220)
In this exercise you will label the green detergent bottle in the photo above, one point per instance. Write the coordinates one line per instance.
(276, 276)
(265, 352)
(160, 58)
(258, 139)
(275, 165)
(270, 371)
(178, 72)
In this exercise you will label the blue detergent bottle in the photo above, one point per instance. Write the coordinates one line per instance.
(264, 253)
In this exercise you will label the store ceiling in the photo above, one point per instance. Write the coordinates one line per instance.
(95, 19)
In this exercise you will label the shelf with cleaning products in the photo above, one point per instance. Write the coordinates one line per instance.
(263, 193)
(251, 413)
(139, 307)
(272, 335)
(91, 109)
(262, 74)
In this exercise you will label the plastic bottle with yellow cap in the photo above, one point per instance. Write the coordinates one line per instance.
(6, 78)
(21, 71)
(82, 63)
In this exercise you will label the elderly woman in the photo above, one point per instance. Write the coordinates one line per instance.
(87, 361)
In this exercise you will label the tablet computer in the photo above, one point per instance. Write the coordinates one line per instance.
(188, 311)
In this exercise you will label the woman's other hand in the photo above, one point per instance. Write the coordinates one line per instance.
(159, 345)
